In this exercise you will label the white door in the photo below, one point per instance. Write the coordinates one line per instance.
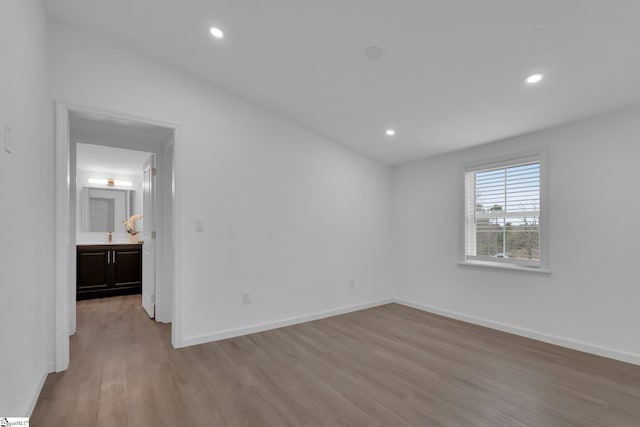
(148, 236)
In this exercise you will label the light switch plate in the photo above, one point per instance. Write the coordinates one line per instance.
(199, 225)
(8, 140)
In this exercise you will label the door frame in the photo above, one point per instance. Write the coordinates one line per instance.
(169, 241)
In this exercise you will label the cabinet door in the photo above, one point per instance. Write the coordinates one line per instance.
(92, 270)
(126, 267)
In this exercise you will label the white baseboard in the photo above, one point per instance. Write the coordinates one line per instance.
(528, 333)
(37, 388)
(551, 339)
(231, 333)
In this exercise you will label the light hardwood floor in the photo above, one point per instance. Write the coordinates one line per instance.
(386, 366)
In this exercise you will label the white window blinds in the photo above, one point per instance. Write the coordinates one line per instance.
(502, 213)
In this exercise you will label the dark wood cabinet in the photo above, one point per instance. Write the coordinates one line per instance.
(108, 270)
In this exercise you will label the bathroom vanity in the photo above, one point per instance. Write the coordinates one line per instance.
(105, 270)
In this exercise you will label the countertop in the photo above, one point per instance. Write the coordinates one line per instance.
(105, 243)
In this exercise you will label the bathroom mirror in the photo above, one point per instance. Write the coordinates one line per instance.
(104, 209)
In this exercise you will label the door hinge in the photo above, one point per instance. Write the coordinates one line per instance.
(153, 299)
(153, 234)
(154, 171)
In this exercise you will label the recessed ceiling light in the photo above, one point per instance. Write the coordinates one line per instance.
(534, 78)
(216, 32)
(390, 132)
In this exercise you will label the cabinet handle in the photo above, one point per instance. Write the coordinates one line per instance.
(108, 257)
(114, 256)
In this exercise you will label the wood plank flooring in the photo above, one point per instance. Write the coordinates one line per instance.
(386, 366)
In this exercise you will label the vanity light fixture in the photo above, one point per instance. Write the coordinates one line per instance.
(110, 182)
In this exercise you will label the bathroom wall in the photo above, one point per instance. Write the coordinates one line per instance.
(119, 235)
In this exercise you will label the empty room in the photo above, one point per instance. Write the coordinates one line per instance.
(319, 213)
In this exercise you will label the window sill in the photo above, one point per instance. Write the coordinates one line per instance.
(503, 267)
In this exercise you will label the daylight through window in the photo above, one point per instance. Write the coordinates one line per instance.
(503, 214)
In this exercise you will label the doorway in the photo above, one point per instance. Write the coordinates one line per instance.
(110, 136)
(115, 217)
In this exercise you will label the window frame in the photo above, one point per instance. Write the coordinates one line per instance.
(540, 156)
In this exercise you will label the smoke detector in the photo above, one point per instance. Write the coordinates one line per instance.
(373, 52)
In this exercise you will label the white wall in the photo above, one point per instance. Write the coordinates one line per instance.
(592, 298)
(290, 216)
(26, 208)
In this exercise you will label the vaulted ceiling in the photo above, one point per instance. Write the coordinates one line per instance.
(450, 75)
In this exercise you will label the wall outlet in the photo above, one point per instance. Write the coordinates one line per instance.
(246, 298)
(199, 225)
(352, 284)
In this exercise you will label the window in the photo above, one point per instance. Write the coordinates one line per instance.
(503, 213)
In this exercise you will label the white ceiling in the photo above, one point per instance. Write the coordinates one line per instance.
(117, 161)
(450, 76)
